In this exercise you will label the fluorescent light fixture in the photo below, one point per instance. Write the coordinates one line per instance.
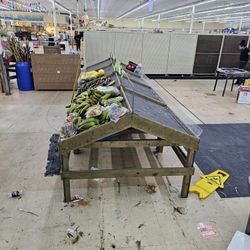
(98, 8)
(133, 10)
(60, 5)
(224, 8)
(178, 8)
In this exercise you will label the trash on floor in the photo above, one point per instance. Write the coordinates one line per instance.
(140, 226)
(16, 194)
(138, 204)
(138, 244)
(28, 212)
(150, 188)
(80, 201)
(180, 210)
(73, 235)
(117, 214)
(209, 183)
(207, 231)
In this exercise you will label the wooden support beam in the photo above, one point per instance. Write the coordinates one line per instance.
(131, 172)
(130, 143)
(187, 178)
(124, 94)
(66, 182)
(145, 97)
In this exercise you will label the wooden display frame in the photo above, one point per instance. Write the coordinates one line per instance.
(133, 122)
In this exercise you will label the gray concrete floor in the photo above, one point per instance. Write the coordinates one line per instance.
(27, 121)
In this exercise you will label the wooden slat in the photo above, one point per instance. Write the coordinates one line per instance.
(130, 143)
(145, 97)
(93, 135)
(66, 182)
(123, 94)
(131, 172)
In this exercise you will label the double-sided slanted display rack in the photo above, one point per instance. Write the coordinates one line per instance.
(148, 115)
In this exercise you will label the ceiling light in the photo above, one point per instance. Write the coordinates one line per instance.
(133, 10)
(177, 9)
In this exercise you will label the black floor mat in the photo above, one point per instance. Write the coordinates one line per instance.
(227, 147)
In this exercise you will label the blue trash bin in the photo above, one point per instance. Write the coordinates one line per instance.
(24, 76)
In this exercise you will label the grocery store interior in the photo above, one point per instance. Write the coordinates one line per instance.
(124, 124)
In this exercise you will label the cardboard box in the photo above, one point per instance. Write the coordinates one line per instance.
(243, 96)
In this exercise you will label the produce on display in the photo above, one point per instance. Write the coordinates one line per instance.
(21, 53)
(92, 79)
(95, 103)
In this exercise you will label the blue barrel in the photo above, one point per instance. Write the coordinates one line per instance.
(24, 76)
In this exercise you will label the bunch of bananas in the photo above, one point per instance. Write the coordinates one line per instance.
(90, 75)
(86, 108)
(104, 117)
(88, 124)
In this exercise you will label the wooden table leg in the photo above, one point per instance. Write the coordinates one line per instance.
(66, 182)
(187, 178)
(225, 86)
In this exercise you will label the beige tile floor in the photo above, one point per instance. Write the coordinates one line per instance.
(27, 121)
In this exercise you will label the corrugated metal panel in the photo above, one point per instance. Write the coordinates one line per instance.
(182, 53)
(128, 47)
(155, 53)
(99, 45)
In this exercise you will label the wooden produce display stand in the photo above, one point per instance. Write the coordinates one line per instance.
(148, 115)
(55, 71)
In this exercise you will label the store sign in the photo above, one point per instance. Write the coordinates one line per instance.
(21, 17)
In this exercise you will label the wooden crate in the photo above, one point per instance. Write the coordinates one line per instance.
(54, 71)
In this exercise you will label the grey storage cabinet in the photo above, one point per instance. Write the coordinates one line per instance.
(181, 53)
(155, 52)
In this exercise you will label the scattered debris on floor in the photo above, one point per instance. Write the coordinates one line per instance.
(80, 201)
(236, 191)
(117, 214)
(180, 210)
(113, 245)
(138, 244)
(207, 231)
(73, 235)
(150, 188)
(230, 113)
(138, 204)
(16, 194)
(28, 212)
(140, 226)
(81, 234)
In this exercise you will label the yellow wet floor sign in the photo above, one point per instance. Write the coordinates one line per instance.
(209, 183)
